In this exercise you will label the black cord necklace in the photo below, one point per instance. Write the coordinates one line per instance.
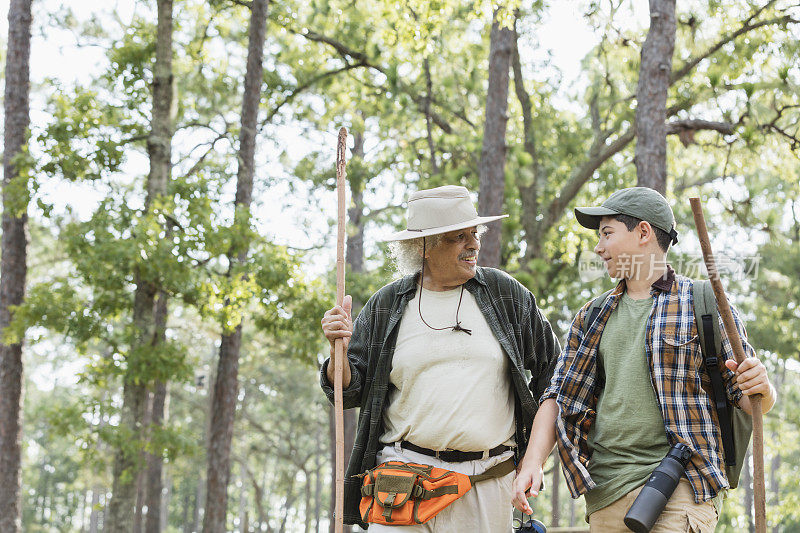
(457, 327)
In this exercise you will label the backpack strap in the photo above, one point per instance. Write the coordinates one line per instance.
(705, 314)
(591, 315)
(594, 310)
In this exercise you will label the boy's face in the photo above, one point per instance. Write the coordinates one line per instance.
(622, 251)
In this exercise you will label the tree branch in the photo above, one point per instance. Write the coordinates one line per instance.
(373, 213)
(361, 57)
(135, 138)
(745, 28)
(773, 126)
(524, 98)
(794, 140)
(306, 85)
(435, 117)
(599, 154)
(679, 126)
(211, 144)
(428, 120)
(341, 48)
(683, 184)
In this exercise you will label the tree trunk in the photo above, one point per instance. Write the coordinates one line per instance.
(167, 498)
(226, 385)
(13, 266)
(288, 504)
(155, 462)
(426, 68)
(572, 512)
(141, 476)
(774, 485)
(185, 517)
(199, 497)
(555, 512)
(138, 510)
(318, 484)
(307, 503)
(126, 463)
(94, 518)
(493, 154)
(258, 497)
(82, 510)
(152, 482)
(747, 497)
(43, 490)
(221, 433)
(242, 502)
(651, 97)
(200, 491)
(354, 250)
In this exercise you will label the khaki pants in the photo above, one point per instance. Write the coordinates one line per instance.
(681, 515)
(485, 508)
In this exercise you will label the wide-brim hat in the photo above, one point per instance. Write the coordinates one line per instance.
(439, 210)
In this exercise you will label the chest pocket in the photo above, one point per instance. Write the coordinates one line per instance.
(682, 358)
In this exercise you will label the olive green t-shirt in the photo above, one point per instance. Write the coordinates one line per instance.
(628, 437)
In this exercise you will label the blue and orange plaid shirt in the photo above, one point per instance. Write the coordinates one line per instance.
(676, 370)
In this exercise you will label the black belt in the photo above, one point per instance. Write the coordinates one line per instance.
(453, 456)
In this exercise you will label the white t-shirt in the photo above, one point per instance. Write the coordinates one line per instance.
(449, 390)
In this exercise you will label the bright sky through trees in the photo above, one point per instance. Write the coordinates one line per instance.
(565, 35)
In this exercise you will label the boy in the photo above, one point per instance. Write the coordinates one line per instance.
(626, 391)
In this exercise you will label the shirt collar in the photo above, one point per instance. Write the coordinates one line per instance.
(409, 283)
(479, 277)
(662, 284)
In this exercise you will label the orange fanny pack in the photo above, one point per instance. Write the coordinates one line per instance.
(395, 493)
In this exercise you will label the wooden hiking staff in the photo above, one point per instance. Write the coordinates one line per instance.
(338, 346)
(759, 492)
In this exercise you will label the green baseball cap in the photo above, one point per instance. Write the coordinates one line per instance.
(643, 203)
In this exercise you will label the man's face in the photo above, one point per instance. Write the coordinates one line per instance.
(619, 248)
(454, 260)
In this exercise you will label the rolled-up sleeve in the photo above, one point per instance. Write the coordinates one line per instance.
(574, 339)
(731, 388)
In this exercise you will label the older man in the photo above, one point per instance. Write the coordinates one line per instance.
(437, 364)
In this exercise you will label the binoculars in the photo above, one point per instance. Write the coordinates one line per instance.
(659, 487)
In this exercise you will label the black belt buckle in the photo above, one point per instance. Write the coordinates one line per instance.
(452, 456)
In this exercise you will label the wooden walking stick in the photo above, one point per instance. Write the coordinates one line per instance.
(338, 346)
(760, 501)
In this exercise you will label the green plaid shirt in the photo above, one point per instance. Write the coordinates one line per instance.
(510, 310)
(675, 359)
